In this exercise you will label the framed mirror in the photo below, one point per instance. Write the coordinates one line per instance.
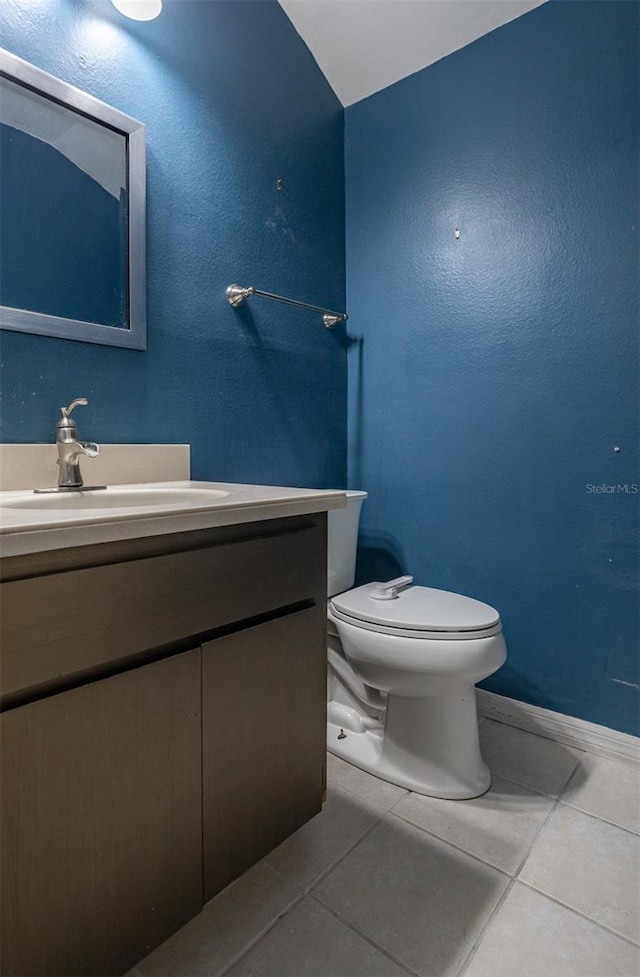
(72, 199)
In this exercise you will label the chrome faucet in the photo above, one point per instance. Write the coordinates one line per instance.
(70, 450)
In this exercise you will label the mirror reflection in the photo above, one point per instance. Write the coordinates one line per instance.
(72, 235)
(63, 197)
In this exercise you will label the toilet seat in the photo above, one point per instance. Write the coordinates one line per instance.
(417, 612)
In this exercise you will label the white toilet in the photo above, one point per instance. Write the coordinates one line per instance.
(402, 663)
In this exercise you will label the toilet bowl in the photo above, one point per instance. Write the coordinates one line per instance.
(403, 661)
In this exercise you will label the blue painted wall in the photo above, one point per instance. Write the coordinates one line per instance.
(491, 377)
(232, 100)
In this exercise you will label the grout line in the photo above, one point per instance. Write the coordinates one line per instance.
(536, 790)
(544, 734)
(362, 935)
(451, 844)
(578, 912)
(598, 817)
(509, 879)
(535, 838)
(569, 778)
(265, 929)
(389, 814)
(547, 818)
(407, 793)
(303, 894)
(311, 889)
(256, 939)
(566, 738)
(365, 800)
(560, 799)
(512, 878)
(479, 938)
(362, 799)
(465, 851)
(347, 851)
(281, 875)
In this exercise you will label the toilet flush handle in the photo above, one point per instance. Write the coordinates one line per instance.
(389, 590)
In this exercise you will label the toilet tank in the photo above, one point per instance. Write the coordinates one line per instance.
(342, 543)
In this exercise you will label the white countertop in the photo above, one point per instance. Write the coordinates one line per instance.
(31, 530)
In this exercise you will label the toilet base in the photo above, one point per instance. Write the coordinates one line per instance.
(428, 745)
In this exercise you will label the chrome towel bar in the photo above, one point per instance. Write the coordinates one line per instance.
(236, 295)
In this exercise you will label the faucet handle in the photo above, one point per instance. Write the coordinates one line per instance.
(79, 402)
(90, 448)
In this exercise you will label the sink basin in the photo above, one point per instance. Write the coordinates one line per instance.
(37, 523)
(118, 498)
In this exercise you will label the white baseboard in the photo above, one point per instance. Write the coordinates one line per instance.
(555, 726)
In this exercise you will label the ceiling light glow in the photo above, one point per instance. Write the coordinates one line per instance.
(139, 9)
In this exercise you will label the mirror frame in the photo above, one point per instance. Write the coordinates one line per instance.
(24, 320)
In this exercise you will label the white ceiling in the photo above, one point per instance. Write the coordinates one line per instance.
(362, 46)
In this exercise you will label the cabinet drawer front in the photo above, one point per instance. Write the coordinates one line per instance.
(65, 624)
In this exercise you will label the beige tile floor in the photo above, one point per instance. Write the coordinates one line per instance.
(538, 878)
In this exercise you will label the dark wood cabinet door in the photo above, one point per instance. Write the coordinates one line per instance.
(101, 839)
(264, 734)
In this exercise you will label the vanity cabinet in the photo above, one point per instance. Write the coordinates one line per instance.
(163, 727)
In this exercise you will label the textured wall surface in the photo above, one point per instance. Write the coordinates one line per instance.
(490, 377)
(232, 101)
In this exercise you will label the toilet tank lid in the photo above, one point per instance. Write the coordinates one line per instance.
(418, 609)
